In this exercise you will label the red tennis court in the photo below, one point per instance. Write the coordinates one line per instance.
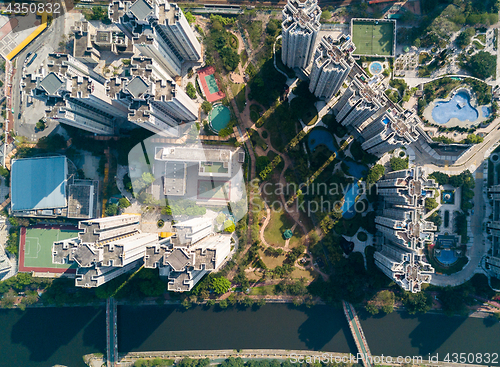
(210, 84)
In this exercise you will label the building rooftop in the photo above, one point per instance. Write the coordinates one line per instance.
(51, 84)
(39, 183)
(192, 154)
(141, 9)
(137, 87)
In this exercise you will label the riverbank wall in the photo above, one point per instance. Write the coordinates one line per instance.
(295, 356)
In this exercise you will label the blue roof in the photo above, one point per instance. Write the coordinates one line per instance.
(39, 183)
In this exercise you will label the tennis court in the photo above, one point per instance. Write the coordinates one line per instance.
(214, 190)
(211, 83)
(36, 249)
(373, 38)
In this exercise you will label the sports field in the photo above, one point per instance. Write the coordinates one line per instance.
(211, 83)
(374, 38)
(216, 190)
(36, 248)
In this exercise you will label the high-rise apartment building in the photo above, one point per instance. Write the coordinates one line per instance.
(147, 97)
(193, 251)
(404, 230)
(493, 257)
(300, 28)
(332, 64)
(106, 248)
(159, 30)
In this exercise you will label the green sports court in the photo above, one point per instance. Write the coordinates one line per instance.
(373, 37)
(36, 249)
(211, 83)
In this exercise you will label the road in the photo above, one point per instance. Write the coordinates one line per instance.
(51, 37)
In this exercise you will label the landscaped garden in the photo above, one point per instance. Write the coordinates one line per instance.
(255, 112)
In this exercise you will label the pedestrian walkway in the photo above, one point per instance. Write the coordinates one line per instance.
(357, 333)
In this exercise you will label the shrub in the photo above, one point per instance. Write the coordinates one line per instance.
(191, 90)
(398, 164)
(375, 173)
(206, 107)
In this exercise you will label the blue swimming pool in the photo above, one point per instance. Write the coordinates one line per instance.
(348, 208)
(446, 256)
(355, 169)
(459, 106)
(375, 68)
(219, 117)
(486, 111)
(320, 137)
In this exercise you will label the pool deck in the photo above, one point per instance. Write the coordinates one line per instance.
(455, 122)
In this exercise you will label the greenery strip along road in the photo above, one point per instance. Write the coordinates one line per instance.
(292, 355)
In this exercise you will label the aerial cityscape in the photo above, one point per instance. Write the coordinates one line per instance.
(250, 183)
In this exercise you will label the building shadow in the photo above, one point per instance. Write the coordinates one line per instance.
(70, 332)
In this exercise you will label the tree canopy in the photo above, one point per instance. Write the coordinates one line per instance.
(220, 285)
(398, 164)
(482, 65)
(375, 173)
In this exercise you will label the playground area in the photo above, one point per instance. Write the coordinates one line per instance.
(36, 248)
(373, 37)
(210, 85)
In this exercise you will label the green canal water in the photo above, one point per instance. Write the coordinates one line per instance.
(48, 336)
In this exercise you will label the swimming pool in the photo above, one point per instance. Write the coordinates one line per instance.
(446, 256)
(458, 107)
(348, 208)
(375, 68)
(219, 117)
(355, 169)
(320, 137)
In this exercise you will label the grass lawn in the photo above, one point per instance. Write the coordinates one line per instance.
(308, 274)
(278, 224)
(262, 290)
(239, 94)
(243, 57)
(482, 38)
(373, 39)
(477, 45)
(270, 261)
(255, 111)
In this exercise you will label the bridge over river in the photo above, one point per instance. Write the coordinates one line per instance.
(111, 332)
(357, 333)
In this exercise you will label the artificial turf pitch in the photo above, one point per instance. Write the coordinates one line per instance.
(373, 39)
(36, 248)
